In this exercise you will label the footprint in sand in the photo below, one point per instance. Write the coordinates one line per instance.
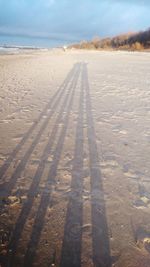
(68, 159)
(142, 203)
(129, 173)
(139, 204)
(9, 118)
(35, 161)
(6, 120)
(18, 137)
(143, 239)
(123, 132)
(3, 158)
(86, 173)
(109, 164)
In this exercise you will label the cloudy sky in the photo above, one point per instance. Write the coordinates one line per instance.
(72, 20)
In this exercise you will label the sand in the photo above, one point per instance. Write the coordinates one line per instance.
(75, 159)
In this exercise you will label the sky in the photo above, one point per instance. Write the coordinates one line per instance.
(69, 21)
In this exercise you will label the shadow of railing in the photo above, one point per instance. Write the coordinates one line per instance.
(46, 195)
(100, 236)
(72, 242)
(6, 188)
(37, 177)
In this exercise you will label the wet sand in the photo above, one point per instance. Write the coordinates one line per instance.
(75, 159)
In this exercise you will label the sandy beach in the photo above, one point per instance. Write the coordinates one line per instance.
(75, 159)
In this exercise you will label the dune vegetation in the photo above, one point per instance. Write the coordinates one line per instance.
(131, 41)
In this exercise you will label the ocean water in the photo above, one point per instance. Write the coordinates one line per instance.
(4, 50)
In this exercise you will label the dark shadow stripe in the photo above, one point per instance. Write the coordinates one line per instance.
(37, 177)
(46, 195)
(13, 154)
(100, 237)
(8, 187)
(72, 242)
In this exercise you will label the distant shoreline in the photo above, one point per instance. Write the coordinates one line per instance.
(18, 50)
(11, 49)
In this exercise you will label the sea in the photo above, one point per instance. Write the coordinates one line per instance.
(15, 44)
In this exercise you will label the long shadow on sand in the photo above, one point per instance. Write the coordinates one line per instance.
(72, 242)
(46, 195)
(37, 177)
(100, 237)
(71, 248)
(53, 103)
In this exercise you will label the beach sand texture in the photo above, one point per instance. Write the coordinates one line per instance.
(75, 159)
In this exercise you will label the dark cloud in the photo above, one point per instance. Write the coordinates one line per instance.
(72, 20)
